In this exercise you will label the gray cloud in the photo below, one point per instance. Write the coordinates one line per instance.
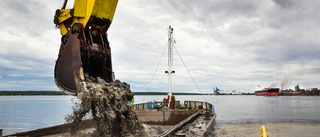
(284, 3)
(229, 44)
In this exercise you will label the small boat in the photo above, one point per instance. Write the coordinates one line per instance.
(267, 92)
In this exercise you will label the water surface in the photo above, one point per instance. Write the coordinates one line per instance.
(23, 113)
(237, 109)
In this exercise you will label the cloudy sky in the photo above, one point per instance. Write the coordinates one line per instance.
(234, 45)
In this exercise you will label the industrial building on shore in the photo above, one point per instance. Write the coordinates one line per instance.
(298, 91)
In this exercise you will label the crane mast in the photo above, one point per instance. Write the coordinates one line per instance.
(170, 61)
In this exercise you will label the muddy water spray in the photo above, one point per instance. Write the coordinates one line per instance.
(108, 105)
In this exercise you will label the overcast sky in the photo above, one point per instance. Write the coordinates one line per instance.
(234, 45)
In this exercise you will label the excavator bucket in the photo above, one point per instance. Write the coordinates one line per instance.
(85, 53)
(68, 69)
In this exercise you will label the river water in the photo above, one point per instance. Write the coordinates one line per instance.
(22, 113)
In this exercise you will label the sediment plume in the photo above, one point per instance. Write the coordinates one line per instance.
(107, 104)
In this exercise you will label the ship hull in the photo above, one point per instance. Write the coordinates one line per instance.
(268, 92)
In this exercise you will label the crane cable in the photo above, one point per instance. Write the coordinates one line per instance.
(155, 70)
(189, 72)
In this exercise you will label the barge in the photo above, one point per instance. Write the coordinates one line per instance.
(185, 117)
(191, 118)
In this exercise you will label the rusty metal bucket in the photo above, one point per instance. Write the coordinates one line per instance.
(84, 54)
(68, 69)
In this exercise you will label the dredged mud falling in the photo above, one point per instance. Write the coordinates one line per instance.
(108, 105)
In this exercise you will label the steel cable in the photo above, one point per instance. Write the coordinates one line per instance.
(189, 72)
(155, 70)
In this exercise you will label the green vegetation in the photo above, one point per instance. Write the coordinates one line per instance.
(30, 93)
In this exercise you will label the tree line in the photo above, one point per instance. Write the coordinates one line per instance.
(16, 93)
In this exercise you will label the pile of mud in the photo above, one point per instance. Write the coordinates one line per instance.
(107, 104)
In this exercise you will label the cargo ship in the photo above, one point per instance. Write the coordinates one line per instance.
(268, 92)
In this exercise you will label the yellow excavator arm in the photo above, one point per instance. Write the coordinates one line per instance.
(84, 52)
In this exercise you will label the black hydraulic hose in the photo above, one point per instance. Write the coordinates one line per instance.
(64, 4)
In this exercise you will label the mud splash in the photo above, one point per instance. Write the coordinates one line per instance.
(107, 104)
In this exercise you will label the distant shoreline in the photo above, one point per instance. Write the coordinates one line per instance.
(30, 93)
(59, 93)
(34, 93)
